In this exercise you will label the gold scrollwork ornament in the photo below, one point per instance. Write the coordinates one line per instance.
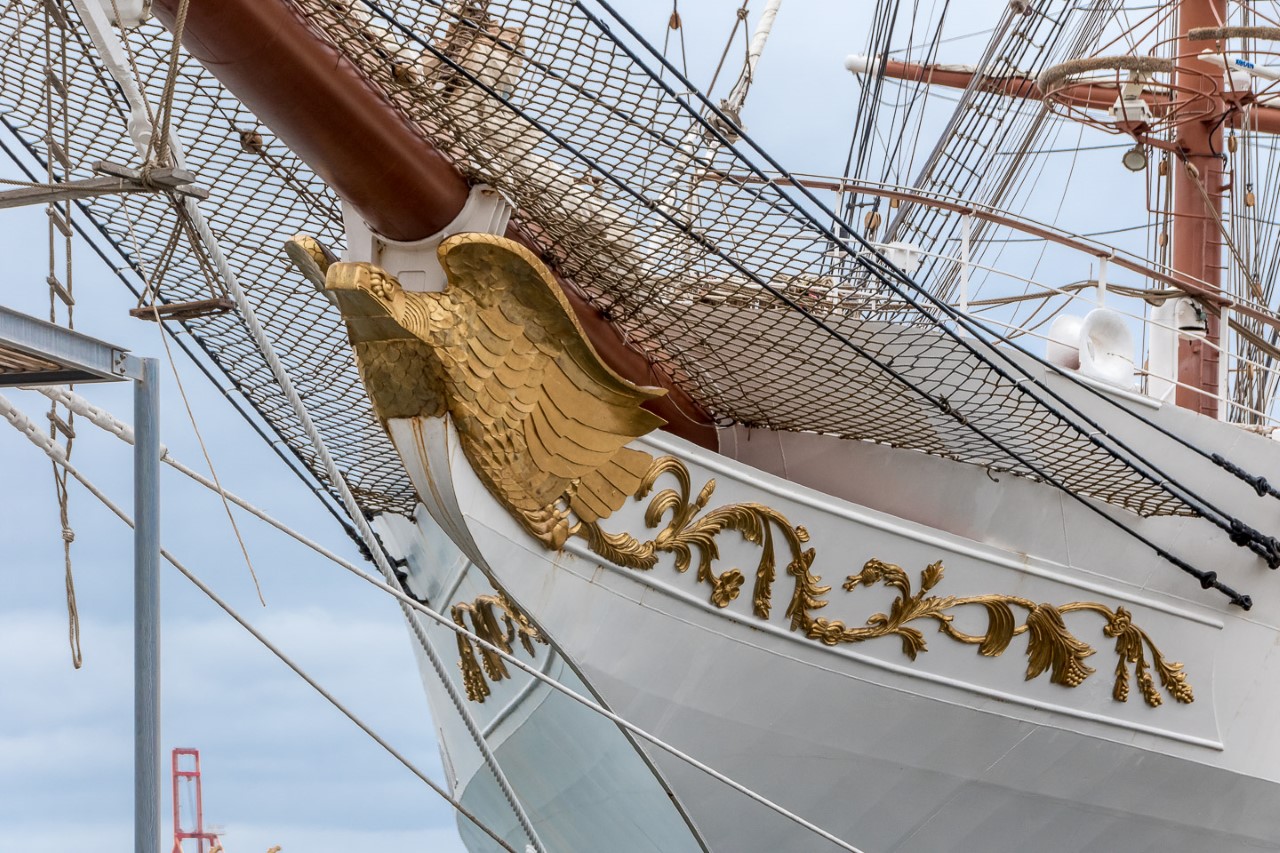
(1051, 647)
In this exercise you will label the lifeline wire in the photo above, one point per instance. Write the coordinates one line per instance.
(109, 423)
(21, 423)
(123, 431)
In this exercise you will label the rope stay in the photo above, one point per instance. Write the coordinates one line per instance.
(59, 160)
(150, 296)
(104, 420)
(59, 457)
(971, 415)
(111, 424)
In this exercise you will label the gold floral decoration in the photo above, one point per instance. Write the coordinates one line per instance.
(495, 620)
(690, 530)
(1051, 647)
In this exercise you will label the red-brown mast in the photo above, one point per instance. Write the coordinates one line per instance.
(1197, 201)
(1199, 180)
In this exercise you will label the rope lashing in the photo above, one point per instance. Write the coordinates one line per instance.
(1259, 483)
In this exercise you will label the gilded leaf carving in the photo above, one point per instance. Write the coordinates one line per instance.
(688, 531)
(1000, 628)
(690, 534)
(1051, 647)
(495, 620)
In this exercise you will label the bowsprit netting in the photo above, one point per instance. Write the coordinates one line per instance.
(717, 280)
(263, 195)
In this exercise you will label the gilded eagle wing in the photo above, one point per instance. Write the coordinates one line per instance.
(545, 406)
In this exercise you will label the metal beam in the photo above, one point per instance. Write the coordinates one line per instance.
(37, 352)
(33, 352)
(1097, 95)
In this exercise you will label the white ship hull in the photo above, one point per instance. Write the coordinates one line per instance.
(580, 779)
(953, 750)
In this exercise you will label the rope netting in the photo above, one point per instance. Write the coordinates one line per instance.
(263, 195)
(728, 287)
(719, 282)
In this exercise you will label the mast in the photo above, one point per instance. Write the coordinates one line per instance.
(1197, 202)
(1199, 180)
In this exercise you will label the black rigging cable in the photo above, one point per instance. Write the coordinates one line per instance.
(1207, 579)
(1241, 534)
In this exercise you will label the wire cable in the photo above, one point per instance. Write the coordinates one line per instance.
(23, 425)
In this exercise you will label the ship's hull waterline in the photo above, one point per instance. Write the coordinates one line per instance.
(957, 749)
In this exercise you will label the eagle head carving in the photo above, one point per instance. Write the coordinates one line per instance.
(541, 418)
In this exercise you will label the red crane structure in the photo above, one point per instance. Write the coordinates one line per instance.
(186, 779)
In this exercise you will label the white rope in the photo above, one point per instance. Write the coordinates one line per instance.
(110, 423)
(55, 452)
(353, 508)
(124, 432)
(57, 118)
(737, 97)
(172, 144)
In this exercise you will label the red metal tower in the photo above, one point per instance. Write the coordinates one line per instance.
(188, 780)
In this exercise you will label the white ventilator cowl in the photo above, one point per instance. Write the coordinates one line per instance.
(1063, 347)
(856, 63)
(1106, 348)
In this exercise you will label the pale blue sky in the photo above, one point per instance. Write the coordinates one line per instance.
(281, 766)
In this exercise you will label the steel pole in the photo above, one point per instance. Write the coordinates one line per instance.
(146, 609)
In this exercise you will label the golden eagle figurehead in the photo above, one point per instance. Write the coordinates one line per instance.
(543, 421)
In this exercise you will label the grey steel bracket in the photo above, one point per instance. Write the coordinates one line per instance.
(34, 352)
